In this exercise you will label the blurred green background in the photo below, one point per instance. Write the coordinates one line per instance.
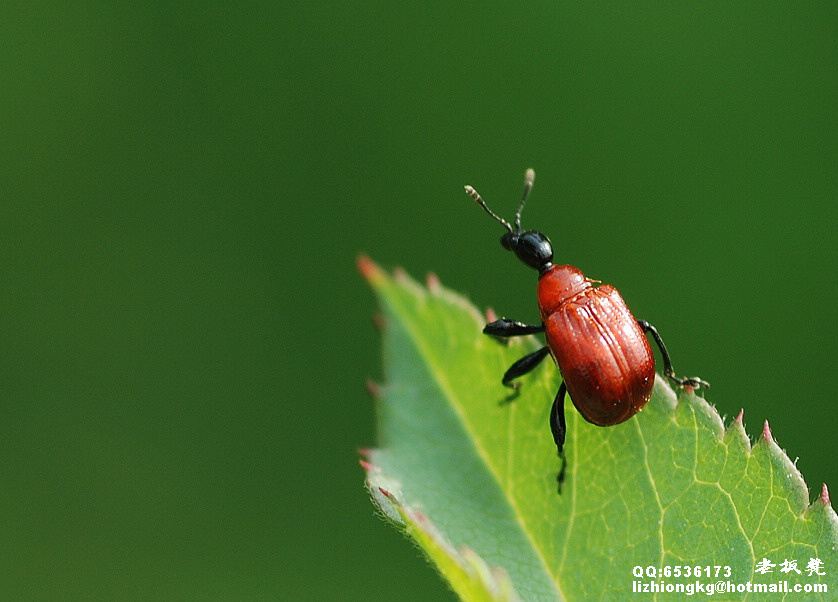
(185, 188)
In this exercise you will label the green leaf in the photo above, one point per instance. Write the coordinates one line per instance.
(472, 480)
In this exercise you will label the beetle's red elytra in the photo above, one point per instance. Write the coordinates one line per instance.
(600, 348)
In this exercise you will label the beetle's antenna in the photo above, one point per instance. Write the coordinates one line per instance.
(479, 200)
(529, 178)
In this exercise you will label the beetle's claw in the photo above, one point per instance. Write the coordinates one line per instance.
(516, 391)
(696, 383)
(693, 382)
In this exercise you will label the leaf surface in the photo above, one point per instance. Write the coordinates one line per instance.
(670, 487)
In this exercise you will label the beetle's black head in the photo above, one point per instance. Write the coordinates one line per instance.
(531, 246)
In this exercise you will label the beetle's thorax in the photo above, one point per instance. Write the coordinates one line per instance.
(558, 284)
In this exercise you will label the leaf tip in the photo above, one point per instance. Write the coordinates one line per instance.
(822, 509)
(735, 433)
(432, 281)
(369, 467)
(400, 275)
(368, 269)
(766, 433)
(373, 389)
(381, 488)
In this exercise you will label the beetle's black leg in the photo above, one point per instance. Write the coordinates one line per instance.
(521, 367)
(668, 371)
(510, 328)
(559, 428)
(557, 423)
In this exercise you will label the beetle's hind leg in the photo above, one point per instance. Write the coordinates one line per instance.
(682, 381)
(521, 367)
(559, 429)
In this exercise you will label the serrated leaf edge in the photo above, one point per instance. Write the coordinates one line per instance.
(493, 580)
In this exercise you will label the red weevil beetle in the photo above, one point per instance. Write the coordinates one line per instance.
(600, 348)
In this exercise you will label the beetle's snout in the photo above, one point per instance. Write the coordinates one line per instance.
(509, 241)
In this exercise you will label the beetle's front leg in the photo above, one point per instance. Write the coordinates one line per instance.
(510, 328)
